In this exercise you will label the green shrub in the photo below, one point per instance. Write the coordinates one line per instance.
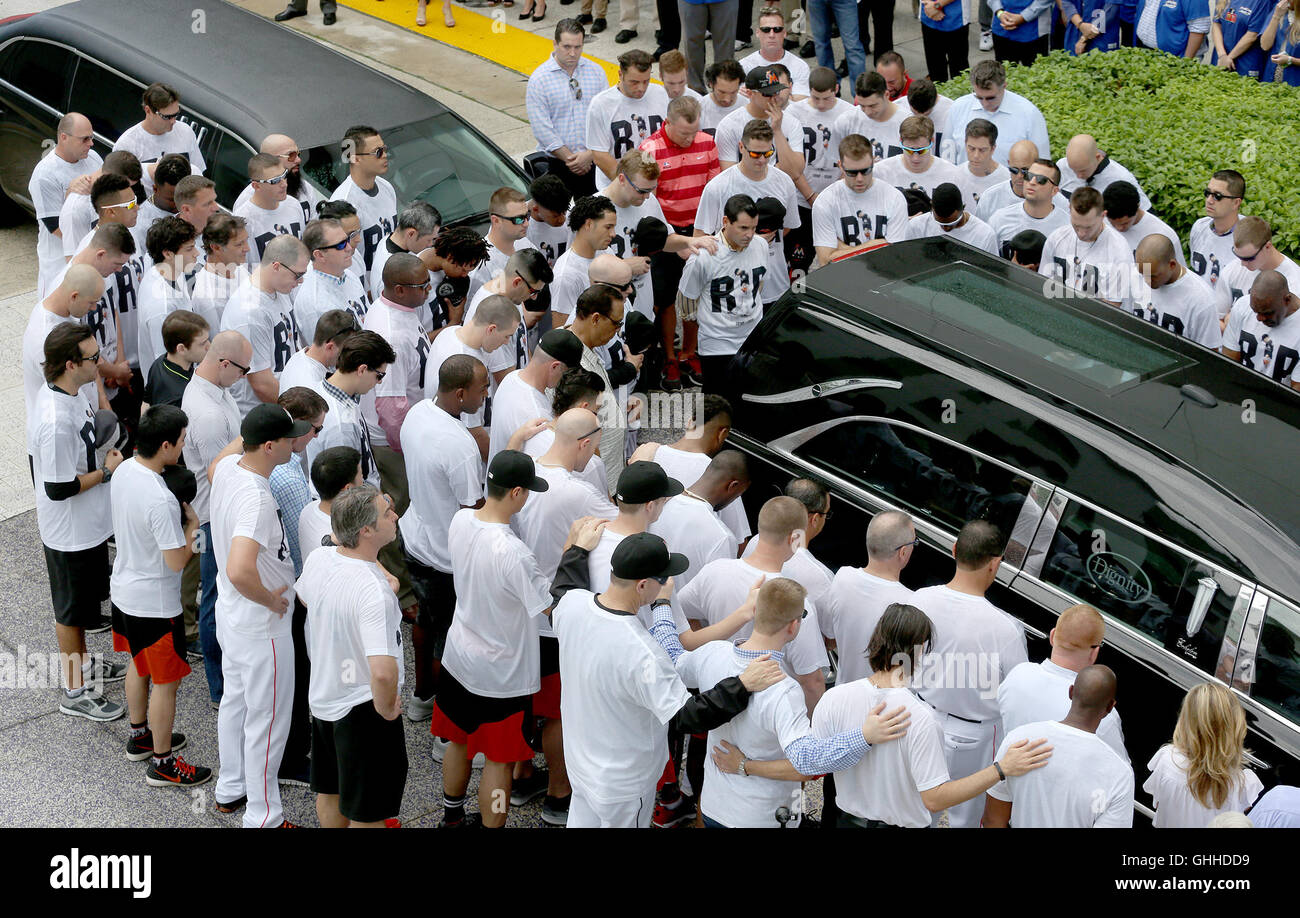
(1173, 122)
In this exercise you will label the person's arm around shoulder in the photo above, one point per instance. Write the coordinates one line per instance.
(1020, 758)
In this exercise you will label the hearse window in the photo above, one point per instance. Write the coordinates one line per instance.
(1277, 660)
(1076, 345)
(110, 102)
(39, 69)
(1143, 583)
(937, 480)
(228, 169)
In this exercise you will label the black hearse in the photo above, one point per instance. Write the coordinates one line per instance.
(1130, 469)
(240, 77)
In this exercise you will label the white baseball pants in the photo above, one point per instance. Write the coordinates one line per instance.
(967, 748)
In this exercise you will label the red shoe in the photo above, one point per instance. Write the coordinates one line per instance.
(671, 380)
(288, 825)
(692, 374)
(410, 613)
(392, 823)
(679, 813)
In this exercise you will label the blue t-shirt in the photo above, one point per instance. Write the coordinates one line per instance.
(1174, 20)
(1038, 20)
(1103, 14)
(1238, 18)
(954, 17)
(1127, 11)
(1291, 74)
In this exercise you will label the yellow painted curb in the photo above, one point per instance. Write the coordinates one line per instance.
(491, 37)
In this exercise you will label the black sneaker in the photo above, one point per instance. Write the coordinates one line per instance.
(555, 810)
(809, 49)
(234, 806)
(526, 790)
(139, 748)
(176, 772)
(104, 624)
(842, 68)
(599, 25)
(468, 821)
(193, 653)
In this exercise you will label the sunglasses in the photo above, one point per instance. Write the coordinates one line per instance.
(1219, 195)
(1246, 258)
(771, 29)
(533, 291)
(126, 205)
(591, 433)
(377, 152)
(1016, 170)
(93, 358)
(340, 246)
(915, 542)
(425, 286)
(866, 170)
(316, 429)
(172, 117)
(273, 181)
(1039, 179)
(759, 154)
(297, 275)
(576, 88)
(379, 375)
(917, 149)
(292, 154)
(243, 370)
(517, 221)
(637, 188)
(617, 325)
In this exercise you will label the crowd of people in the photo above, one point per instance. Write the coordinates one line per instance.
(336, 425)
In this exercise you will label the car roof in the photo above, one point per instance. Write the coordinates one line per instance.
(1244, 445)
(289, 76)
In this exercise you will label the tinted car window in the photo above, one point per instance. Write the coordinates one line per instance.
(111, 102)
(39, 69)
(1277, 660)
(228, 167)
(937, 480)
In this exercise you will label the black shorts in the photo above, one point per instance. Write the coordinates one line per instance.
(550, 655)
(157, 645)
(436, 594)
(469, 711)
(666, 271)
(362, 758)
(78, 584)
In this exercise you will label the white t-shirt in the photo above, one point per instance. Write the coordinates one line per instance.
(313, 527)
(804, 569)
(492, 645)
(1003, 195)
(776, 184)
(850, 611)
(444, 475)
(720, 588)
(731, 128)
(798, 69)
(842, 215)
(490, 267)
(303, 370)
(976, 231)
(894, 171)
(965, 625)
(973, 186)
(616, 124)
(320, 292)
(887, 783)
(1184, 307)
(551, 241)
(211, 293)
(772, 720)
(61, 438)
(39, 325)
(1101, 179)
(377, 211)
(159, 298)
(1151, 225)
(687, 468)
(543, 523)
(243, 505)
(146, 522)
(77, 217)
(594, 473)
(267, 320)
(945, 144)
(1176, 808)
(1034, 692)
(213, 422)
(882, 134)
(711, 113)
(515, 404)
(1273, 351)
(307, 199)
(48, 187)
(1102, 268)
(1083, 785)
(1236, 280)
(449, 344)
(345, 425)
(1013, 218)
(149, 148)
(729, 287)
(407, 375)
(821, 160)
(1211, 251)
(352, 614)
(285, 219)
(121, 292)
(571, 280)
(615, 727)
(691, 527)
(643, 294)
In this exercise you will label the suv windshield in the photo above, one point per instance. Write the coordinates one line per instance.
(438, 160)
(1075, 344)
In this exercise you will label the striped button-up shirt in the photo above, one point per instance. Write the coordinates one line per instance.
(683, 173)
(291, 491)
(557, 103)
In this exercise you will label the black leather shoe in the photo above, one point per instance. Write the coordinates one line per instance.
(625, 36)
(808, 50)
(843, 68)
(329, 19)
(599, 25)
(584, 18)
(791, 44)
(289, 13)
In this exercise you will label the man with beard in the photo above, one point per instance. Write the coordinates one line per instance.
(286, 151)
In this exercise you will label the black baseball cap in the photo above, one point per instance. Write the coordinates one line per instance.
(765, 80)
(642, 482)
(649, 236)
(563, 345)
(946, 199)
(269, 422)
(771, 214)
(646, 555)
(512, 469)
(639, 333)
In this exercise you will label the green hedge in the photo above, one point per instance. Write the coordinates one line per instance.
(1173, 122)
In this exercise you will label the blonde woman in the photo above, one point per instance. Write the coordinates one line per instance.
(1234, 34)
(1199, 775)
(1283, 65)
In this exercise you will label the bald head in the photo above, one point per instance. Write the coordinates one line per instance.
(404, 268)
(609, 269)
(728, 465)
(1022, 153)
(286, 250)
(574, 425)
(1082, 155)
(277, 144)
(888, 531)
(1093, 692)
(1270, 286)
(1154, 249)
(230, 345)
(75, 124)
(82, 282)
(779, 517)
(1079, 629)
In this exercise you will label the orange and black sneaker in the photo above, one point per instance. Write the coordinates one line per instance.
(288, 825)
(176, 772)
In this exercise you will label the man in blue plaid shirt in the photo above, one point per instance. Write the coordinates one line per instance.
(559, 92)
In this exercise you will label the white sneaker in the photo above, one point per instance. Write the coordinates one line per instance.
(440, 750)
(92, 706)
(986, 41)
(417, 710)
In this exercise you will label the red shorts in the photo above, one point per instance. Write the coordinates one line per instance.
(492, 726)
(156, 645)
(669, 776)
(546, 701)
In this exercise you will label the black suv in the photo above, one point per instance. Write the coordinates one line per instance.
(240, 78)
(1130, 469)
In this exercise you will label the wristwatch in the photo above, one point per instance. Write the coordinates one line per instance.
(108, 473)
(741, 767)
(1002, 775)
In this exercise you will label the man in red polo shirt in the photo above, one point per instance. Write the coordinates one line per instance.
(687, 159)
